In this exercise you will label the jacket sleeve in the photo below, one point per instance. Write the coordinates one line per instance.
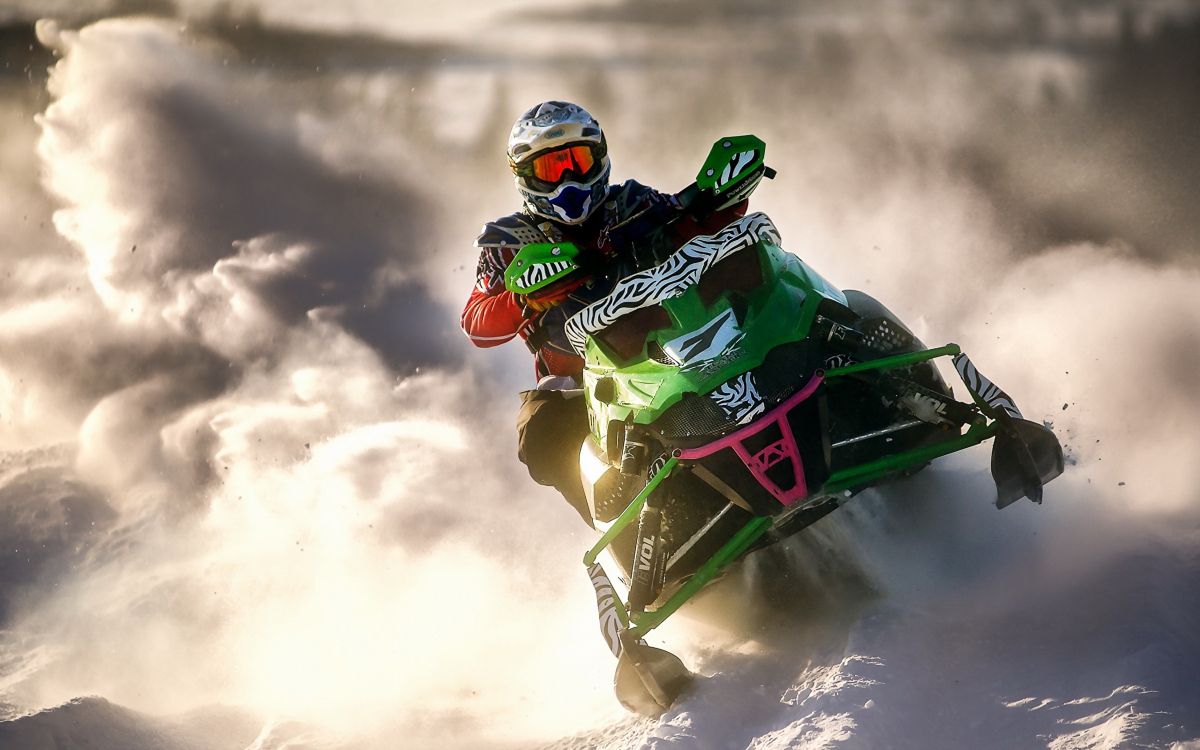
(492, 314)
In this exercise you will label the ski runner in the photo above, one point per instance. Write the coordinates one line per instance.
(559, 157)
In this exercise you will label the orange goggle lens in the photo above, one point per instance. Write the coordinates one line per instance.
(551, 166)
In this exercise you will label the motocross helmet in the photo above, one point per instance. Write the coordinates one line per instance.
(558, 154)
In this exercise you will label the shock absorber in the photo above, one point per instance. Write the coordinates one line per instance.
(648, 555)
(648, 558)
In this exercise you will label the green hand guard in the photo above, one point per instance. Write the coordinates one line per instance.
(540, 265)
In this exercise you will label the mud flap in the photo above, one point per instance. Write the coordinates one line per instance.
(1025, 456)
(648, 679)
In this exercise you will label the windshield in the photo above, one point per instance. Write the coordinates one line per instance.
(738, 274)
(725, 262)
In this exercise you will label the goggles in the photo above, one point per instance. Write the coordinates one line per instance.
(547, 169)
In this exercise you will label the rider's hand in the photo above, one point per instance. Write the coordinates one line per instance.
(545, 299)
(541, 305)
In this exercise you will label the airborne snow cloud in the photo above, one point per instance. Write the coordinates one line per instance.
(284, 420)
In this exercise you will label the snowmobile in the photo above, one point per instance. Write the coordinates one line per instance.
(735, 397)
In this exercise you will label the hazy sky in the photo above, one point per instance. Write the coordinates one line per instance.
(411, 19)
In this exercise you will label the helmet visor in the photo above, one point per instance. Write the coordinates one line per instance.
(548, 169)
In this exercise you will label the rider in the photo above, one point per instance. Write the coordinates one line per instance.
(559, 157)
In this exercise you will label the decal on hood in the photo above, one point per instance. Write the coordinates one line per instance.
(739, 398)
(695, 347)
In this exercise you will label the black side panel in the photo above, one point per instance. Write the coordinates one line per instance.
(885, 334)
(868, 308)
(866, 403)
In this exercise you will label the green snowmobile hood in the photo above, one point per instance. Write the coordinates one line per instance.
(736, 330)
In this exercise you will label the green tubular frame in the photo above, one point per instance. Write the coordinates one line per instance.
(743, 540)
(730, 551)
(872, 470)
(897, 360)
(748, 535)
(869, 472)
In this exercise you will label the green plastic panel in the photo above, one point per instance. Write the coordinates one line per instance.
(731, 160)
(539, 265)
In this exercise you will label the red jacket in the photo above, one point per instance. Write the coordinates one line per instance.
(492, 317)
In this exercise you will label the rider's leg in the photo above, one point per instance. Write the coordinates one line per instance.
(551, 427)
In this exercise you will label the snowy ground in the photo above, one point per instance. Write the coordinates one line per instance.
(946, 657)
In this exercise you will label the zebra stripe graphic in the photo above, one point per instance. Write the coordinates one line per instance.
(734, 167)
(539, 272)
(985, 390)
(610, 621)
(670, 278)
(739, 398)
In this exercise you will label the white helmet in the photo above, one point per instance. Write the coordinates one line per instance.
(558, 154)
